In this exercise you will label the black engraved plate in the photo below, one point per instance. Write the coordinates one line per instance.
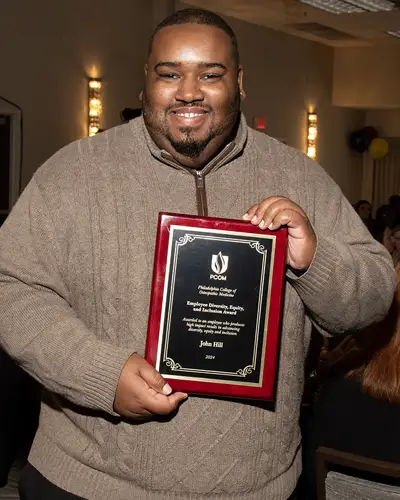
(216, 300)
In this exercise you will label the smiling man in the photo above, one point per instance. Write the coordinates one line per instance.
(76, 258)
(191, 101)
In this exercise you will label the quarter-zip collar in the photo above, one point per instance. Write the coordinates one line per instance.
(229, 152)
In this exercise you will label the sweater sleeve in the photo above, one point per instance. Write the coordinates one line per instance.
(351, 281)
(38, 327)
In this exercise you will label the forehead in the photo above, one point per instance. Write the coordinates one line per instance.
(191, 43)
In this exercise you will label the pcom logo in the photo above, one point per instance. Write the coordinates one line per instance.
(219, 264)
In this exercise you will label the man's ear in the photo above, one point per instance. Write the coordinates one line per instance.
(240, 83)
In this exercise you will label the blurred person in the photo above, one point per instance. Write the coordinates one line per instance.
(391, 240)
(76, 257)
(385, 219)
(364, 210)
(394, 202)
(357, 409)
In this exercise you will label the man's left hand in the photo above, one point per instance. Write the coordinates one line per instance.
(276, 211)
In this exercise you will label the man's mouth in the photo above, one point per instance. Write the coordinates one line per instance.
(189, 116)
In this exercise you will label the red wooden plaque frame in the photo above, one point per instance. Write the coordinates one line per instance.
(265, 390)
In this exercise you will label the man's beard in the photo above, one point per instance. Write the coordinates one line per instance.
(189, 146)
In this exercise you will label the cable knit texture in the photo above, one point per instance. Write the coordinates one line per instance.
(76, 258)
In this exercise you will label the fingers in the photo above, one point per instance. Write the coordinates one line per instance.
(142, 391)
(287, 217)
(143, 402)
(253, 212)
(162, 405)
(349, 341)
(250, 212)
(155, 393)
(153, 402)
(152, 377)
(275, 212)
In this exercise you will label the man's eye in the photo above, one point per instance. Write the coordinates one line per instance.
(168, 76)
(211, 76)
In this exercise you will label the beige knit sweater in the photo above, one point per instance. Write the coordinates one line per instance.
(76, 259)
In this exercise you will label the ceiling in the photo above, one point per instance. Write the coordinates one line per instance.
(290, 16)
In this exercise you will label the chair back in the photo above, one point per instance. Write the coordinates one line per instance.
(335, 485)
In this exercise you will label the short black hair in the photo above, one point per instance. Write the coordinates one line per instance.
(128, 114)
(361, 202)
(394, 200)
(199, 16)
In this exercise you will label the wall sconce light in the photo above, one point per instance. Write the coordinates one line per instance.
(312, 132)
(95, 106)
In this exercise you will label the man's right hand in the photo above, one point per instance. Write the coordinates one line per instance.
(142, 392)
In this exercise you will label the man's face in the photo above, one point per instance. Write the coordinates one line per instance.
(191, 100)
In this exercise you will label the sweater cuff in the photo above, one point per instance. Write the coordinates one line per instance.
(102, 376)
(318, 276)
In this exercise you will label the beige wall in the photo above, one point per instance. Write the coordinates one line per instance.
(367, 77)
(285, 75)
(387, 122)
(46, 50)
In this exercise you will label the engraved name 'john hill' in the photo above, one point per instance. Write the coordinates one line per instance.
(205, 343)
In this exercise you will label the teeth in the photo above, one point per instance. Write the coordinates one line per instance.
(190, 115)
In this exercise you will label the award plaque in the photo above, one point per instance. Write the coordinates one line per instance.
(215, 312)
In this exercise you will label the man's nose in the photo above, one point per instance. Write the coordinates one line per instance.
(189, 90)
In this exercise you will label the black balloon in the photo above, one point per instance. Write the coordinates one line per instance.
(360, 140)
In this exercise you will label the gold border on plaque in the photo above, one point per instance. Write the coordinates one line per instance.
(164, 332)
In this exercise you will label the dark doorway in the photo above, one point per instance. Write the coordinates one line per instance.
(5, 142)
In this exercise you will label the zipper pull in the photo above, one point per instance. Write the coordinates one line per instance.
(199, 180)
(201, 196)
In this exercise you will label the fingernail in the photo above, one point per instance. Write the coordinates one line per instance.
(261, 225)
(245, 216)
(254, 218)
(271, 226)
(167, 389)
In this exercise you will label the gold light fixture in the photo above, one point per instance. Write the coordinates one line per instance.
(95, 106)
(312, 132)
